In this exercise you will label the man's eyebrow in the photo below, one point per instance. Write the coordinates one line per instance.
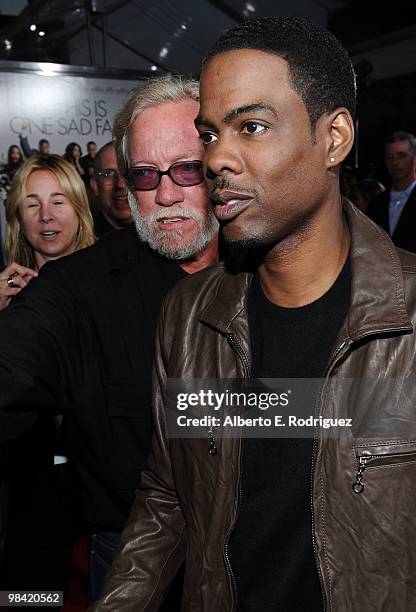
(200, 120)
(236, 112)
(248, 108)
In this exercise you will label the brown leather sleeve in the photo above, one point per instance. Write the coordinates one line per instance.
(152, 546)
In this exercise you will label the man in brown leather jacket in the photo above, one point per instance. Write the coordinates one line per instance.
(284, 523)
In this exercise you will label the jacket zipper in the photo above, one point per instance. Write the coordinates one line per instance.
(326, 373)
(373, 458)
(244, 359)
(345, 345)
(246, 365)
(358, 486)
(240, 352)
(342, 348)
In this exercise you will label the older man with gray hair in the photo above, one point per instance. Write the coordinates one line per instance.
(78, 340)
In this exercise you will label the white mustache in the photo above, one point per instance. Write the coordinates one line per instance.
(175, 211)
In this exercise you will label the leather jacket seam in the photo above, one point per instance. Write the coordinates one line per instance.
(250, 276)
(391, 465)
(397, 268)
(213, 299)
(399, 292)
(386, 443)
(324, 543)
(178, 545)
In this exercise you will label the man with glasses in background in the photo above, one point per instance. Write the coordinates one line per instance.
(78, 340)
(111, 193)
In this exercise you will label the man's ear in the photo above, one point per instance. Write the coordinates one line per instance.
(340, 136)
(94, 186)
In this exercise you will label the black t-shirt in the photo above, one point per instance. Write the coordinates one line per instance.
(271, 549)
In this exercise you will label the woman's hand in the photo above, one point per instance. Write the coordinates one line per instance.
(78, 166)
(12, 280)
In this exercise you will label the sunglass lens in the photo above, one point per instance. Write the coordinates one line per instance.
(143, 178)
(187, 173)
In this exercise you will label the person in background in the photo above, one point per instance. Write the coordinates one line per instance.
(72, 155)
(79, 339)
(48, 218)
(44, 146)
(395, 210)
(14, 161)
(87, 161)
(111, 193)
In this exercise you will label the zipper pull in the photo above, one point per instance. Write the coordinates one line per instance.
(358, 486)
(212, 449)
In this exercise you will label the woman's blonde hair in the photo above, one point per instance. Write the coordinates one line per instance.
(17, 247)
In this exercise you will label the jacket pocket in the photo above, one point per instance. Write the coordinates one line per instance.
(378, 455)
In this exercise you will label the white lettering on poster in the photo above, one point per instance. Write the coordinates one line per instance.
(60, 108)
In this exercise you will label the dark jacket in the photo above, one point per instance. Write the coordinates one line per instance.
(102, 227)
(79, 341)
(404, 236)
(187, 504)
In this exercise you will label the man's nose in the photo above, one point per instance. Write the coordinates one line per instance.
(222, 157)
(119, 183)
(168, 193)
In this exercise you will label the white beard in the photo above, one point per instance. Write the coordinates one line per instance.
(168, 243)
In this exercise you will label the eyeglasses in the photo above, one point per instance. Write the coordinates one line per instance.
(107, 175)
(184, 174)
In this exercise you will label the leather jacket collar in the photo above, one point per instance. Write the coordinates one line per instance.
(377, 301)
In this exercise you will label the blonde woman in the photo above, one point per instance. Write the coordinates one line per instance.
(47, 217)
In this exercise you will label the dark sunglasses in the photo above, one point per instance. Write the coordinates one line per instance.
(184, 174)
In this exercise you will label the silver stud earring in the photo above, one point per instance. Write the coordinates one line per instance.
(332, 159)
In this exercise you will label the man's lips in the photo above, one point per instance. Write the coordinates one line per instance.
(174, 222)
(229, 204)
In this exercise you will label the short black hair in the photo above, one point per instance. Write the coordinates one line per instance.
(43, 141)
(320, 69)
(398, 136)
(90, 142)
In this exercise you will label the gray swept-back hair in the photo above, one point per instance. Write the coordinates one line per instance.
(157, 90)
(398, 136)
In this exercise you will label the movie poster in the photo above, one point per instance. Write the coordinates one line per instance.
(60, 108)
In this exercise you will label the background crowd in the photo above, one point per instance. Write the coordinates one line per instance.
(57, 205)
